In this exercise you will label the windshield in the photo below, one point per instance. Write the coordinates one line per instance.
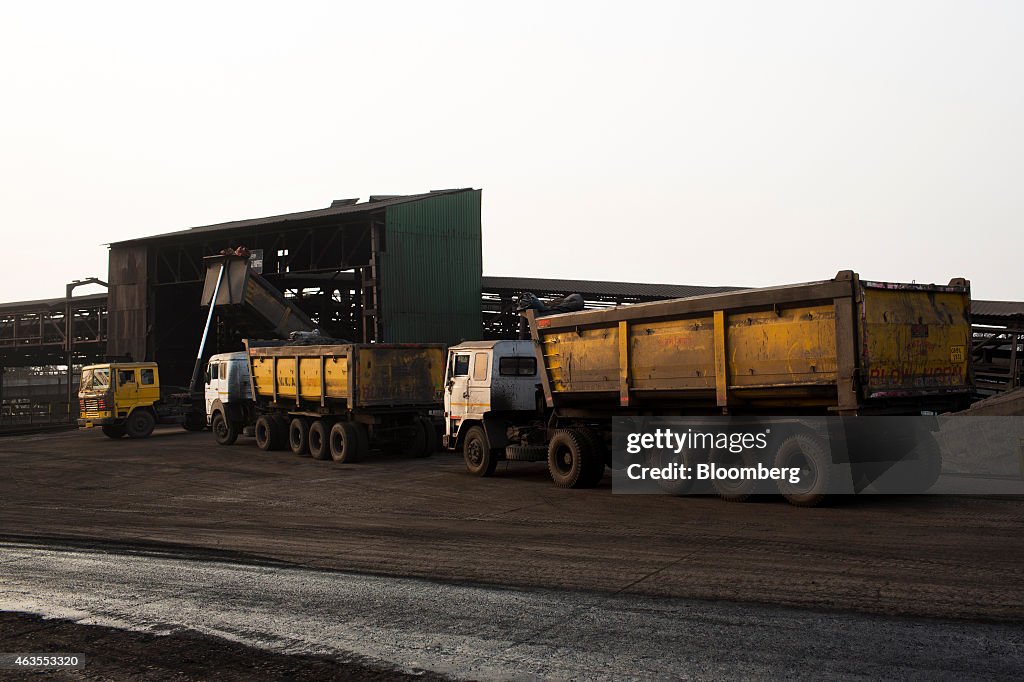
(96, 379)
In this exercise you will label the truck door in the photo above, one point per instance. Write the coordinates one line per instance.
(479, 400)
(212, 383)
(126, 393)
(456, 392)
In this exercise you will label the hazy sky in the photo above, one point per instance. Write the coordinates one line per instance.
(704, 142)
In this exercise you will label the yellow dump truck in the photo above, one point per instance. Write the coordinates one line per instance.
(844, 346)
(329, 401)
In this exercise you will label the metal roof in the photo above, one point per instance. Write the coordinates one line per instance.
(997, 308)
(585, 287)
(375, 203)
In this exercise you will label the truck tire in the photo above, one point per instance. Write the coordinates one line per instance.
(346, 443)
(194, 422)
(319, 440)
(269, 432)
(426, 437)
(913, 475)
(114, 431)
(526, 453)
(598, 458)
(140, 424)
(806, 452)
(480, 459)
(661, 459)
(730, 490)
(298, 436)
(571, 461)
(224, 432)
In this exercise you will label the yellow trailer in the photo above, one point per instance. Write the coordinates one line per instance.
(340, 400)
(840, 346)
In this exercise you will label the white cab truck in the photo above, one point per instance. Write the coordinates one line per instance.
(228, 395)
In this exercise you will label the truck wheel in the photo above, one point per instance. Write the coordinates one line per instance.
(319, 440)
(732, 490)
(661, 459)
(596, 458)
(298, 436)
(807, 453)
(224, 432)
(916, 473)
(114, 431)
(480, 459)
(194, 422)
(140, 424)
(426, 437)
(345, 443)
(568, 455)
(268, 432)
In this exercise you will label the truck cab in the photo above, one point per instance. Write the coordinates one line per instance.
(489, 384)
(120, 398)
(228, 394)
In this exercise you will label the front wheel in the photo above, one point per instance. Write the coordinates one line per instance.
(140, 424)
(114, 431)
(224, 432)
(480, 459)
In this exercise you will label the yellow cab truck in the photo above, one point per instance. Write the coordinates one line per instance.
(839, 347)
(126, 398)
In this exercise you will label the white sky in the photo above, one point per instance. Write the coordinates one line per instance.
(750, 143)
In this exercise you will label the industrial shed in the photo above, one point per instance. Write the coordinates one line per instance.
(363, 271)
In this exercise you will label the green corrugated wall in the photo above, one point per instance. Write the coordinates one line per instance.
(430, 270)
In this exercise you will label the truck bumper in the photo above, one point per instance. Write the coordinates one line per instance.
(104, 421)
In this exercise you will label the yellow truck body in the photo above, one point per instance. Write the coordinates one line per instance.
(843, 345)
(348, 376)
(109, 393)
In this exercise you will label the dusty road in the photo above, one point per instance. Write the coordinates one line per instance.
(179, 495)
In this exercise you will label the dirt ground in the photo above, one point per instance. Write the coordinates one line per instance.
(958, 558)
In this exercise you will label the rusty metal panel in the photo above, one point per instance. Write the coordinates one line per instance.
(399, 375)
(127, 311)
(583, 361)
(667, 355)
(914, 338)
(794, 346)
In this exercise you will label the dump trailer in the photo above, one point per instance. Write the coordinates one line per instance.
(334, 401)
(844, 346)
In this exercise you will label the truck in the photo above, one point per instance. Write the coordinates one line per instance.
(126, 398)
(330, 401)
(844, 346)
